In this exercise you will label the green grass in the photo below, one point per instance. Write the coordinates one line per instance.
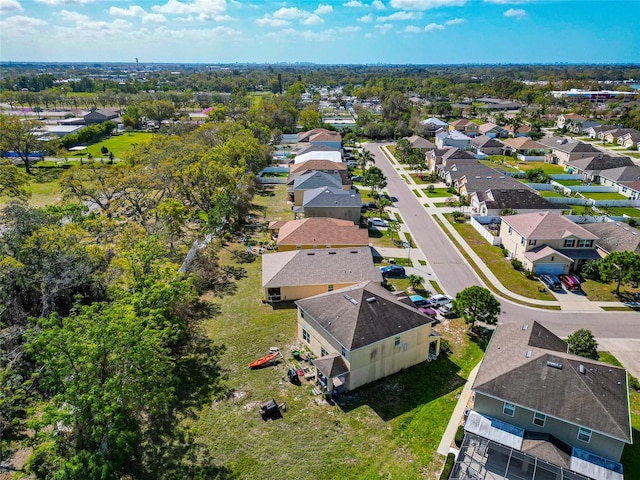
(496, 161)
(416, 192)
(420, 181)
(118, 144)
(380, 238)
(605, 292)
(400, 419)
(628, 211)
(436, 286)
(437, 193)
(550, 193)
(422, 262)
(494, 259)
(604, 196)
(570, 183)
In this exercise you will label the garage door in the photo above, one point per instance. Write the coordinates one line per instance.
(549, 268)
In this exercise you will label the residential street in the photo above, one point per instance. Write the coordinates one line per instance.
(454, 274)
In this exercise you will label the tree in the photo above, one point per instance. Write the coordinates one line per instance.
(582, 343)
(394, 227)
(158, 110)
(620, 267)
(20, 136)
(374, 178)
(403, 149)
(417, 161)
(476, 304)
(364, 159)
(13, 181)
(381, 204)
(415, 280)
(537, 175)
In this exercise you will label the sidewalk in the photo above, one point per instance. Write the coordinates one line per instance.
(454, 422)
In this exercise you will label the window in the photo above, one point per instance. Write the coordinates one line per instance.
(330, 287)
(343, 352)
(585, 243)
(584, 434)
(522, 241)
(539, 419)
(305, 336)
(532, 242)
(323, 352)
(301, 313)
(298, 247)
(396, 341)
(510, 229)
(509, 409)
(568, 243)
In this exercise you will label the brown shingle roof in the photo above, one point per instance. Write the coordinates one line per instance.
(546, 225)
(322, 231)
(615, 236)
(319, 165)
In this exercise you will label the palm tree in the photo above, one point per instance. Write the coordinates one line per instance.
(365, 158)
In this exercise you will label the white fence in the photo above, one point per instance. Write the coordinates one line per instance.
(479, 223)
(531, 158)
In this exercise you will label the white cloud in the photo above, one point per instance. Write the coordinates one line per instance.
(456, 21)
(366, 18)
(271, 22)
(86, 28)
(433, 26)
(290, 13)
(322, 9)
(65, 2)
(154, 18)
(425, 4)
(10, 6)
(353, 4)
(348, 29)
(384, 27)
(412, 29)
(20, 24)
(515, 13)
(74, 16)
(400, 16)
(204, 9)
(312, 19)
(378, 5)
(132, 11)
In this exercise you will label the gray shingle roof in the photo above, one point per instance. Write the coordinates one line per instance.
(568, 146)
(622, 174)
(457, 171)
(600, 162)
(520, 199)
(331, 197)
(365, 322)
(615, 236)
(311, 180)
(483, 141)
(319, 267)
(596, 399)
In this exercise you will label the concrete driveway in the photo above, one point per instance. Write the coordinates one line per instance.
(625, 350)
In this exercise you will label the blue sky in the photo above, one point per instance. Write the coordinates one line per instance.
(324, 31)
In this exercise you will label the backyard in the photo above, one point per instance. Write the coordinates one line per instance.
(400, 419)
(116, 144)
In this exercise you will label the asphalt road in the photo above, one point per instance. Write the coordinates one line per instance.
(454, 274)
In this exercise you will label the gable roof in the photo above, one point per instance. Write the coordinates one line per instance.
(518, 199)
(544, 251)
(319, 165)
(615, 236)
(523, 143)
(478, 183)
(316, 148)
(520, 366)
(568, 146)
(546, 225)
(573, 116)
(355, 324)
(434, 121)
(331, 197)
(319, 267)
(622, 174)
(306, 136)
(453, 153)
(322, 231)
(463, 122)
(417, 141)
(325, 137)
(457, 171)
(487, 127)
(313, 179)
(452, 134)
(600, 162)
(482, 141)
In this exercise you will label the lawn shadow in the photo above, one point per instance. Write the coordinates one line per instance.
(406, 390)
(265, 190)
(480, 336)
(287, 305)
(631, 454)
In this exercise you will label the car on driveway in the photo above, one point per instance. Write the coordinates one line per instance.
(378, 222)
(439, 300)
(418, 300)
(428, 311)
(392, 271)
(446, 311)
(571, 282)
(356, 178)
(369, 206)
(552, 282)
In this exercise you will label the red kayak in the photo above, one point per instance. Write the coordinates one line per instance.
(261, 362)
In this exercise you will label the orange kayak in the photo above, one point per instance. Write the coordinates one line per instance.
(261, 362)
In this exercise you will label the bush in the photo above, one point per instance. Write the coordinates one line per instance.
(445, 346)
(448, 466)
(459, 436)
(505, 252)
(634, 383)
(458, 216)
(517, 264)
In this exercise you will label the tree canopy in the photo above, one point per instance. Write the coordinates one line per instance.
(582, 343)
(476, 304)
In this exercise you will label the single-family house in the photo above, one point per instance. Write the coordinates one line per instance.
(490, 146)
(363, 333)
(494, 201)
(615, 135)
(616, 176)
(546, 242)
(497, 104)
(492, 130)
(583, 126)
(630, 139)
(466, 126)
(565, 118)
(331, 202)
(453, 138)
(447, 156)
(540, 412)
(317, 152)
(101, 115)
(630, 189)
(526, 148)
(318, 232)
(420, 143)
(614, 237)
(564, 150)
(309, 181)
(593, 131)
(470, 183)
(590, 167)
(521, 131)
(453, 172)
(432, 125)
(299, 274)
(321, 136)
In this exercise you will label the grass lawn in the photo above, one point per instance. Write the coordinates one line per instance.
(550, 193)
(118, 144)
(548, 168)
(47, 193)
(570, 183)
(501, 268)
(379, 238)
(631, 453)
(628, 211)
(420, 181)
(604, 196)
(437, 193)
(497, 161)
(605, 292)
(416, 192)
(388, 429)
(633, 154)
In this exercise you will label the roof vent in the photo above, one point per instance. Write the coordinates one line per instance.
(371, 299)
(583, 370)
(354, 251)
(554, 365)
(525, 326)
(332, 253)
(528, 354)
(311, 253)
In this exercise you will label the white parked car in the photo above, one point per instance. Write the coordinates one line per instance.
(439, 300)
(378, 222)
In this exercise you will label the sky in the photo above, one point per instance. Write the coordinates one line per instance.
(323, 31)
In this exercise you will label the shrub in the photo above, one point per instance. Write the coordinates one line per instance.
(634, 383)
(431, 188)
(445, 346)
(505, 252)
(459, 436)
(517, 264)
(448, 466)
(104, 150)
(458, 216)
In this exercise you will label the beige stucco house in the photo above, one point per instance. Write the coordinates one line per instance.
(303, 273)
(546, 242)
(318, 232)
(362, 333)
